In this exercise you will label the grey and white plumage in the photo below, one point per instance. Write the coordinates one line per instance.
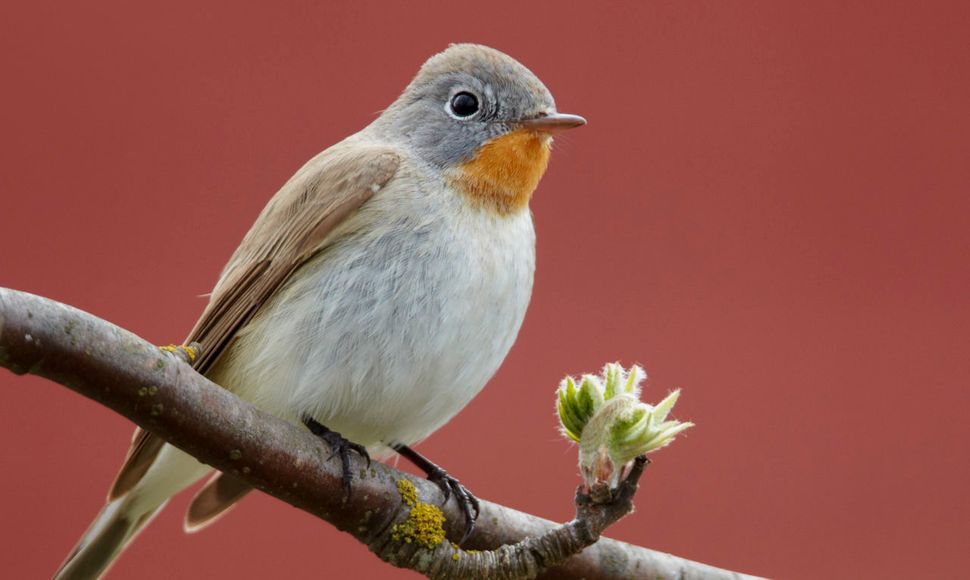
(374, 293)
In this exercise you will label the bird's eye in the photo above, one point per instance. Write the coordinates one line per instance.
(464, 104)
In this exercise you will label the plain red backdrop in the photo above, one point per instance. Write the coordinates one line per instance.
(769, 208)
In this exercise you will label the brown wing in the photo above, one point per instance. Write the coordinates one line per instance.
(293, 226)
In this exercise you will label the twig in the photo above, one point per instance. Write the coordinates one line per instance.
(163, 394)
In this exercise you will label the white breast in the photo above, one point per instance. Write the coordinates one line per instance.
(393, 329)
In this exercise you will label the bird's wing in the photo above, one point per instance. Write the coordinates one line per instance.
(293, 226)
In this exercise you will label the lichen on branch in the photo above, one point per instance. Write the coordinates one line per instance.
(425, 523)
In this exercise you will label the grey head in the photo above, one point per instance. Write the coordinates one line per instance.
(465, 96)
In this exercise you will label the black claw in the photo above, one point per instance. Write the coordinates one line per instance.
(341, 448)
(449, 486)
(466, 500)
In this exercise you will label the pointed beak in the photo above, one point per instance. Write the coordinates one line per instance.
(553, 122)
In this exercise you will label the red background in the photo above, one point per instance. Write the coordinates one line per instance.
(769, 208)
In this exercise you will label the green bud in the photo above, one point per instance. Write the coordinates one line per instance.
(610, 423)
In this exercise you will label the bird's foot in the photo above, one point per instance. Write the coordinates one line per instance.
(187, 352)
(449, 485)
(466, 500)
(341, 448)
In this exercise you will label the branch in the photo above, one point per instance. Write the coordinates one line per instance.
(164, 395)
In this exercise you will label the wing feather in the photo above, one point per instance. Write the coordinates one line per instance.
(293, 226)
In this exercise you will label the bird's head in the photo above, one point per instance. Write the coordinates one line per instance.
(484, 120)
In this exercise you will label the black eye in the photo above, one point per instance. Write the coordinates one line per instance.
(464, 105)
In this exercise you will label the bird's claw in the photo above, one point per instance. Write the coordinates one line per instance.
(466, 500)
(341, 448)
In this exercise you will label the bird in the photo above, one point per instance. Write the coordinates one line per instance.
(376, 293)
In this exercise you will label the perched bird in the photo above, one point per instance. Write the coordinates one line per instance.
(376, 293)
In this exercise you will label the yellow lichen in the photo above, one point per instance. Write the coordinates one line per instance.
(424, 526)
(425, 523)
(409, 495)
(190, 351)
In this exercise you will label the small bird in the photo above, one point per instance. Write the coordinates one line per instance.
(376, 293)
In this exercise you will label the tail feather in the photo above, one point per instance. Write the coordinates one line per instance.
(212, 502)
(108, 535)
(123, 517)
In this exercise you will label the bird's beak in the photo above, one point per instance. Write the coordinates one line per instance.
(553, 122)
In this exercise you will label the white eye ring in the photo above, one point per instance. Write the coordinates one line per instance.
(463, 105)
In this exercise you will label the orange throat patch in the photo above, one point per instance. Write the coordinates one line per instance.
(504, 172)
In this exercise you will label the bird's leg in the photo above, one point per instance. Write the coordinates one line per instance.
(187, 352)
(341, 447)
(448, 484)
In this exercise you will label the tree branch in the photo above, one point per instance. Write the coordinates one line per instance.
(166, 396)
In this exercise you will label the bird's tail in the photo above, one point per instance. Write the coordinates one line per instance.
(124, 516)
(110, 532)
